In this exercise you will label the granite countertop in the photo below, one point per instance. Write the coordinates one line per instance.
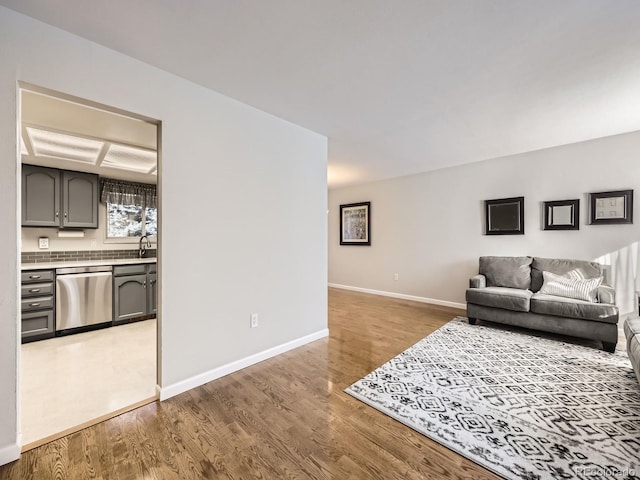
(86, 263)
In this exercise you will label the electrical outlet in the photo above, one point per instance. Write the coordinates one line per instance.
(43, 242)
(254, 320)
(94, 244)
(395, 276)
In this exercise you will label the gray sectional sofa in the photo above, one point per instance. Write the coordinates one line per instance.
(507, 290)
(632, 333)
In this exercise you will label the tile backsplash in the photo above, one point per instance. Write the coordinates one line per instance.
(74, 256)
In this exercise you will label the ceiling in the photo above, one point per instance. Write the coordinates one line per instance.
(399, 87)
(61, 133)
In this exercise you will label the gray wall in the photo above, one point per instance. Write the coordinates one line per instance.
(428, 228)
(243, 194)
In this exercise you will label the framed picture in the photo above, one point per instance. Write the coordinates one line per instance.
(355, 224)
(611, 207)
(562, 215)
(504, 216)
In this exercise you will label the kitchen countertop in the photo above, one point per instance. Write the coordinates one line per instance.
(86, 263)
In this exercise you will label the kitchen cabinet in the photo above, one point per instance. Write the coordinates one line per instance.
(79, 200)
(40, 197)
(134, 292)
(37, 302)
(59, 198)
(152, 294)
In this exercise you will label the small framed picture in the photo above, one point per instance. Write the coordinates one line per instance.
(504, 216)
(355, 224)
(562, 215)
(611, 207)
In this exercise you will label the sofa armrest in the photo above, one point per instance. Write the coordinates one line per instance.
(606, 294)
(478, 281)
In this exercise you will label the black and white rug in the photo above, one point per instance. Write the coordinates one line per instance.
(522, 406)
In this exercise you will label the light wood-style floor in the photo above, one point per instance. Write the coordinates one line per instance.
(71, 381)
(285, 418)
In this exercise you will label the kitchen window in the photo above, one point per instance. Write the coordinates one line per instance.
(131, 209)
(126, 221)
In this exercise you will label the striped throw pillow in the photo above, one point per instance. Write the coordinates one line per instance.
(578, 288)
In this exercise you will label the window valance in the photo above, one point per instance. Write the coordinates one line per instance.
(128, 193)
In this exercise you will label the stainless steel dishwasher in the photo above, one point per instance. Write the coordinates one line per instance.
(83, 296)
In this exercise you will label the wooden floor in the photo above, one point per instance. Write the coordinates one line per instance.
(285, 418)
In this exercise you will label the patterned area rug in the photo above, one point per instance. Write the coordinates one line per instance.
(521, 406)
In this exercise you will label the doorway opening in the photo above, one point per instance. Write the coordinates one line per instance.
(90, 236)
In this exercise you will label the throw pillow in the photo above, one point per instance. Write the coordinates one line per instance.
(579, 288)
(512, 272)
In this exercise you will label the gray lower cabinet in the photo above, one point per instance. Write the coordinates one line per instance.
(59, 198)
(152, 293)
(37, 305)
(134, 292)
(129, 297)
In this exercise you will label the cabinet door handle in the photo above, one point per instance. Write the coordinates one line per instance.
(144, 284)
(34, 277)
(34, 304)
(65, 214)
(34, 290)
(57, 214)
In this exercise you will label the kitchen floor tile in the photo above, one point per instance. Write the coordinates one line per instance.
(69, 381)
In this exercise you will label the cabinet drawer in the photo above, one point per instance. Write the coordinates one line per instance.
(137, 269)
(37, 324)
(37, 290)
(35, 276)
(37, 303)
(153, 267)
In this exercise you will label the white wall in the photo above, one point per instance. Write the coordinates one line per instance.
(243, 195)
(429, 228)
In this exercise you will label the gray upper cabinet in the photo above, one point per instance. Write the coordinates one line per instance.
(59, 198)
(40, 197)
(79, 200)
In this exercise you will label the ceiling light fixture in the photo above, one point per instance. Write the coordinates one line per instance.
(52, 144)
(130, 158)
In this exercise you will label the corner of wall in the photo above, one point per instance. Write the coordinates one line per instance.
(10, 453)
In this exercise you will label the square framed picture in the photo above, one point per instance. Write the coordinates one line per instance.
(355, 224)
(504, 216)
(611, 207)
(562, 215)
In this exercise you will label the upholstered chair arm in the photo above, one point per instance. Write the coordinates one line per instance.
(606, 294)
(478, 281)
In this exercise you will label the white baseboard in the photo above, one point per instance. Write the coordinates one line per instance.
(201, 379)
(9, 453)
(433, 301)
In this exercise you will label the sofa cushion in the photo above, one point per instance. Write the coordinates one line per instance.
(512, 272)
(559, 266)
(633, 352)
(606, 294)
(572, 308)
(514, 299)
(632, 332)
(579, 288)
(631, 327)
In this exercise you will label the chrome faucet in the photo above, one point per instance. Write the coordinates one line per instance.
(142, 251)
